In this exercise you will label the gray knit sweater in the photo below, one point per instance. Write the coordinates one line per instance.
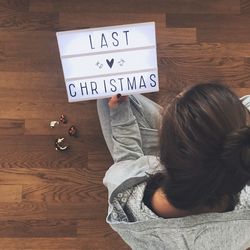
(138, 226)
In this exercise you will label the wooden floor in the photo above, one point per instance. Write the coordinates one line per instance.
(53, 200)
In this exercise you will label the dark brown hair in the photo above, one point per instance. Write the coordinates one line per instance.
(204, 146)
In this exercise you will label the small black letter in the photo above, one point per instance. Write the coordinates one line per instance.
(72, 85)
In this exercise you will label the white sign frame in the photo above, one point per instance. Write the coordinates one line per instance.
(116, 59)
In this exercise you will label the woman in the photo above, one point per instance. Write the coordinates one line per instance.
(195, 194)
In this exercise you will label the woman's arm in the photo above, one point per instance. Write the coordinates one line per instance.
(125, 130)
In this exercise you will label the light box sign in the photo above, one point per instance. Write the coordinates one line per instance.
(103, 62)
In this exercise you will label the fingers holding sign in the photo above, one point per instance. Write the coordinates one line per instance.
(116, 100)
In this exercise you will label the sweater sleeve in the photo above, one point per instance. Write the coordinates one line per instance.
(130, 163)
(125, 133)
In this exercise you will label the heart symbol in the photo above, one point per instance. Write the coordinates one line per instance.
(110, 63)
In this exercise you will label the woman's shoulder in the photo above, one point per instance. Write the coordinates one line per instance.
(125, 174)
(244, 198)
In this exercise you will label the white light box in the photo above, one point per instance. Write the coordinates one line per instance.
(102, 62)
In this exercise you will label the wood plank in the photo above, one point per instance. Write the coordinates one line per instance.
(247, 61)
(55, 243)
(204, 50)
(84, 211)
(60, 243)
(74, 20)
(176, 35)
(229, 70)
(40, 53)
(45, 96)
(38, 228)
(46, 157)
(244, 6)
(11, 127)
(148, 6)
(28, 21)
(229, 35)
(36, 176)
(96, 157)
(41, 6)
(241, 91)
(14, 5)
(62, 194)
(16, 36)
(104, 244)
(1, 51)
(49, 111)
(214, 28)
(200, 21)
(31, 80)
(23, 210)
(101, 228)
(24, 64)
(54, 176)
(10, 193)
(201, 62)
(42, 211)
(37, 49)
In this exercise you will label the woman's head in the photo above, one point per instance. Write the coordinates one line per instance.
(204, 146)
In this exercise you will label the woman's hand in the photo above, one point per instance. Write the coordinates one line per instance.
(116, 100)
